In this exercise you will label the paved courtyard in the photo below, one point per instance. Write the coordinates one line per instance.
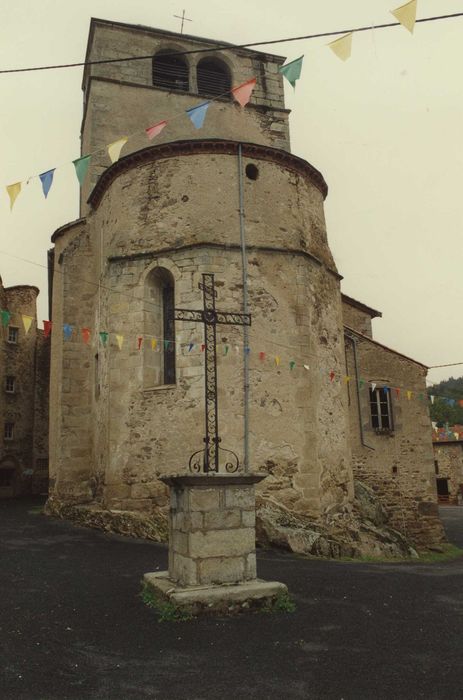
(72, 625)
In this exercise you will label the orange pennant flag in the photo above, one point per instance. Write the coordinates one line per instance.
(243, 92)
(406, 15)
(86, 335)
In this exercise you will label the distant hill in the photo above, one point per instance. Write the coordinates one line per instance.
(447, 392)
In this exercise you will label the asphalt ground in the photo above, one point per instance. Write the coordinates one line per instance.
(73, 625)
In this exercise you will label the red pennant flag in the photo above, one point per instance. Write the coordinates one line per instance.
(47, 328)
(332, 375)
(202, 347)
(262, 356)
(86, 335)
(397, 392)
(243, 92)
(154, 130)
(139, 341)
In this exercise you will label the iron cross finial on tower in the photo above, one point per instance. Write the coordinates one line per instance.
(184, 19)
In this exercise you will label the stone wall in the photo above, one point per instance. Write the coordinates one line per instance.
(120, 99)
(398, 463)
(111, 435)
(24, 401)
(448, 458)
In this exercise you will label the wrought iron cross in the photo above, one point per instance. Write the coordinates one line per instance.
(184, 19)
(210, 317)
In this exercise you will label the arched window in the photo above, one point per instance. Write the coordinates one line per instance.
(213, 77)
(170, 71)
(159, 329)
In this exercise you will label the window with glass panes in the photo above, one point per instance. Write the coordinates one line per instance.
(381, 409)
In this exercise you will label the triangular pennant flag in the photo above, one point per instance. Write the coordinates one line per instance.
(332, 375)
(27, 322)
(361, 383)
(452, 402)
(347, 379)
(115, 148)
(277, 360)
(292, 71)
(247, 351)
(262, 356)
(409, 394)
(373, 386)
(243, 92)
(139, 341)
(225, 350)
(292, 365)
(406, 15)
(197, 114)
(119, 341)
(5, 317)
(385, 388)
(166, 344)
(237, 350)
(104, 335)
(154, 343)
(190, 347)
(154, 130)
(203, 347)
(342, 47)
(47, 180)
(460, 403)
(397, 392)
(420, 397)
(85, 335)
(13, 191)
(47, 325)
(306, 367)
(432, 398)
(81, 166)
(67, 330)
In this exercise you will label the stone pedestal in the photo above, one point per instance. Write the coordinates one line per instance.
(212, 559)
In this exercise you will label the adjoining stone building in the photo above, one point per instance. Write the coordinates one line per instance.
(448, 464)
(24, 378)
(390, 426)
(128, 405)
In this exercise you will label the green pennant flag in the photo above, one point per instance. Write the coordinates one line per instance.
(104, 337)
(5, 317)
(292, 71)
(292, 365)
(81, 166)
(225, 350)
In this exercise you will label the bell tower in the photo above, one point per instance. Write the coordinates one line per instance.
(174, 73)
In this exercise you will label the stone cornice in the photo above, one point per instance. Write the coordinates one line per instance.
(176, 149)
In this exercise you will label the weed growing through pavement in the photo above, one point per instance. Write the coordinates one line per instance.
(281, 603)
(166, 612)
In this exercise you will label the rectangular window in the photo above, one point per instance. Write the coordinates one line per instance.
(8, 431)
(13, 334)
(381, 410)
(10, 385)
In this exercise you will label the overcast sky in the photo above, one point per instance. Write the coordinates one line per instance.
(384, 128)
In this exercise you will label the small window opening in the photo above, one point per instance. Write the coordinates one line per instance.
(381, 410)
(252, 171)
(8, 431)
(394, 470)
(213, 78)
(159, 329)
(170, 71)
(13, 334)
(436, 466)
(10, 385)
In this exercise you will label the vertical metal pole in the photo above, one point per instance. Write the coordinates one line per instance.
(244, 264)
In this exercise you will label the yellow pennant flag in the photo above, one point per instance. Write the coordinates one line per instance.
(115, 148)
(409, 395)
(119, 341)
(342, 47)
(13, 191)
(347, 379)
(154, 342)
(277, 360)
(406, 15)
(27, 322)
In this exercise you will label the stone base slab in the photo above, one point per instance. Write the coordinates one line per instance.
(214, 598)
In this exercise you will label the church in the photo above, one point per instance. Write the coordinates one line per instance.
(304, 394)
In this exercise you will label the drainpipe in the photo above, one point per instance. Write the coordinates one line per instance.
(354, 347)
(244, 265)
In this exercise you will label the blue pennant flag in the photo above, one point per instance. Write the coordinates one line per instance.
(198, 113)
(67, 330)
(47, 181)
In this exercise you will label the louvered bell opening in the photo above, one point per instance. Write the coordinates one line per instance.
(170, 71)
(213, 78)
